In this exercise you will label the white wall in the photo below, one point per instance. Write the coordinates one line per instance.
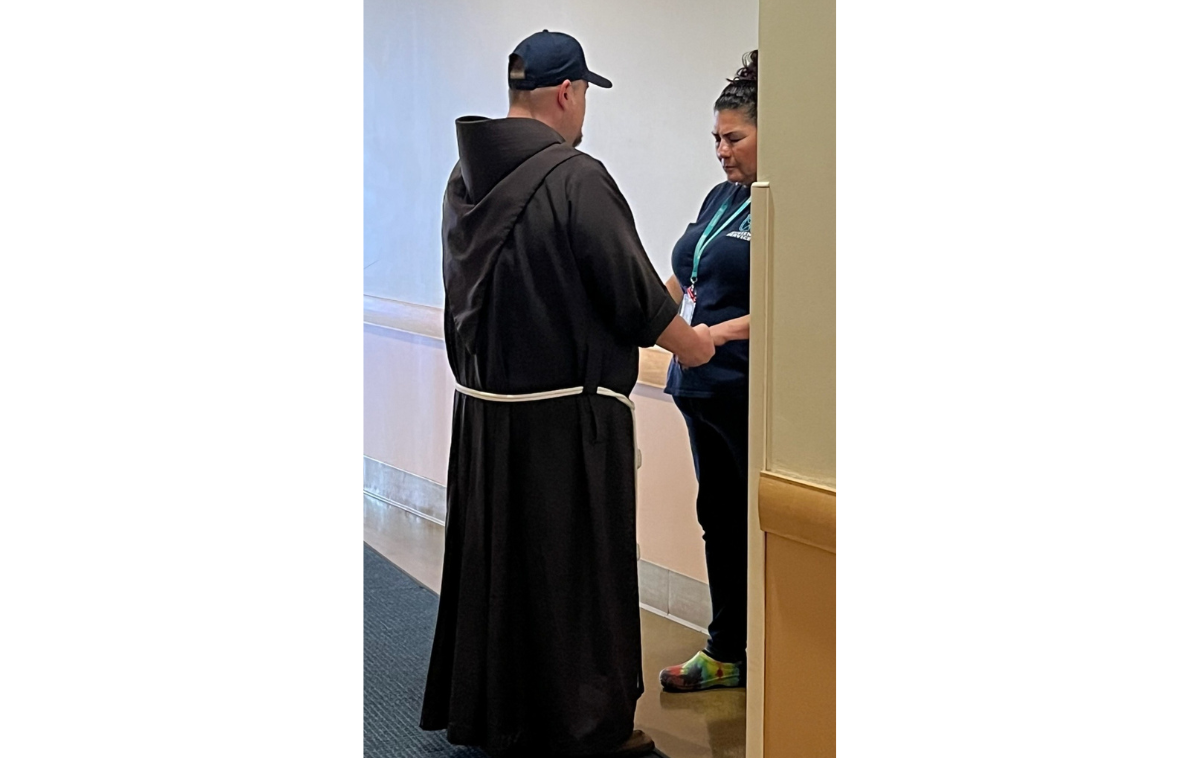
(427, 63)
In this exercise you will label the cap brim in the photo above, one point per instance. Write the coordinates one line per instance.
(592, 77)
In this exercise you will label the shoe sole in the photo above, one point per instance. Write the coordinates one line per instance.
(728, 684)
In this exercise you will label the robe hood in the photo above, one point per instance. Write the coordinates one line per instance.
(501, 164)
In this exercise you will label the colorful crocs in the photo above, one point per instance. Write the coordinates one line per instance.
(702, 673)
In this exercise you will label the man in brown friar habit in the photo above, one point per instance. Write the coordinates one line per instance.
(549, 294)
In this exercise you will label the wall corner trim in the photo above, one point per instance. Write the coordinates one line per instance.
(798, 511)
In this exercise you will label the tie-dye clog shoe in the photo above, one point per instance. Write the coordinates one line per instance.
(702, 673)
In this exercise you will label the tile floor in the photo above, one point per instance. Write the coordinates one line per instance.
(693, 725)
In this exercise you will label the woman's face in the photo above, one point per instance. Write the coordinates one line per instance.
(737, 146)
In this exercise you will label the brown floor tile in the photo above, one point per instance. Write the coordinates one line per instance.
(691, 724)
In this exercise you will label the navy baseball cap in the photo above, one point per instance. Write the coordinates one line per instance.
(547, 58)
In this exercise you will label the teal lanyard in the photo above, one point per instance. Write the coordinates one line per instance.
(709, 235)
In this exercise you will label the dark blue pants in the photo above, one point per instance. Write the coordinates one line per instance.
(718, 428)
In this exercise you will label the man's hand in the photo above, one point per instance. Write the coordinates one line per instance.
(720, 334)
(703, 350)
(733, 329)
(692, 345)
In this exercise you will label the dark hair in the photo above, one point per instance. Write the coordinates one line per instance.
(742, 91)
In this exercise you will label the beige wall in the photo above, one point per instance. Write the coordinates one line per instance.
(668, 532)
(407, 400)
(797, 156)
(791, 695)
(799, 715)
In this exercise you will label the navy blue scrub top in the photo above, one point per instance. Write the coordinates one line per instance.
(722, 293)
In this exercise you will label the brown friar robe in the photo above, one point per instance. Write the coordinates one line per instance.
(538, 638)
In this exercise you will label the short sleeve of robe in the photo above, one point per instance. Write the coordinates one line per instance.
(621, 283)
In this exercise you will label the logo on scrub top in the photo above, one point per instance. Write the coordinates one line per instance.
(743, 232)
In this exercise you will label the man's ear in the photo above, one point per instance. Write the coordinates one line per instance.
(564, 90)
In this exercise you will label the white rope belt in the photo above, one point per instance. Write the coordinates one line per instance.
(551, 395)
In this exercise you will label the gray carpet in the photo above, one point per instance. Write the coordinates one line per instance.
(398, 620)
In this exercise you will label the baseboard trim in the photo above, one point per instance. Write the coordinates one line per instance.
(675, 596)
(413, 493)
(403, 507)
(669, 617)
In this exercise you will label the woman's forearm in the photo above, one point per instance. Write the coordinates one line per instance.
(733, 329)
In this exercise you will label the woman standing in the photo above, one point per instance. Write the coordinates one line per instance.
(711, 281)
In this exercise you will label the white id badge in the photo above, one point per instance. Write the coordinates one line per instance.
(687, 308)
